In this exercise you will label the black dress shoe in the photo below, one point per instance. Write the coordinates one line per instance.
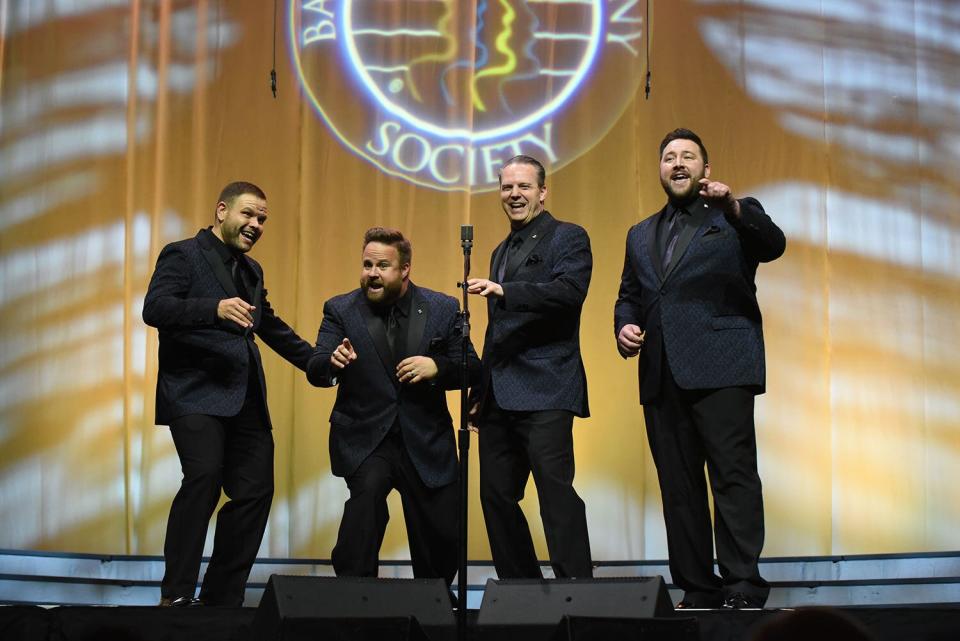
(180, 602)
(740, 601)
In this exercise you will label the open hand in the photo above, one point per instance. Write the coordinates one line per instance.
(237, 310)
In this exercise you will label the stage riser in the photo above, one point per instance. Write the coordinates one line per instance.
(227, 624)
(54, 578)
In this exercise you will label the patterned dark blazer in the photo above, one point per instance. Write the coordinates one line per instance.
(369, 396)
(531, 352)
(204, 362)
(700, 316)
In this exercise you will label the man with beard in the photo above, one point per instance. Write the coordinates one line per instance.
(688, 307)
(208, 300)
(393, 349)
(533, 379)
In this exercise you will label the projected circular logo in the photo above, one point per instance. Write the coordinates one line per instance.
(442, 92)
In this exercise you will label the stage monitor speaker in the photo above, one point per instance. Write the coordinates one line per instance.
(604, 629)
(303, 607)
(533, 609)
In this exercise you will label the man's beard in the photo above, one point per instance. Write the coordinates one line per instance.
(382, 297)
(689, 194)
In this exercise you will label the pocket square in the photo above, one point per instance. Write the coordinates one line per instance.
(534, 259)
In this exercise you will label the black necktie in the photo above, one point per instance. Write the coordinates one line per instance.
(235, 269)
(393, 329)
(673, 232)
(513, 242)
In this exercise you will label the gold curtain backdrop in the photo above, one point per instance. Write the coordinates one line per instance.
(120, 120)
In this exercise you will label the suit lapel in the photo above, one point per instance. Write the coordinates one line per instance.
(653, 245)
(520, 257)
(686, 235)
(496, 258)
(419, 312)
(378, 334)
(216, 264)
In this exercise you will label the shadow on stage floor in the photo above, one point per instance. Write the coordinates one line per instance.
(83, 623)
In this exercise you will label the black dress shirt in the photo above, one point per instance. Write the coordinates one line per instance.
(231, 259)
(515, 242)
(396, 323)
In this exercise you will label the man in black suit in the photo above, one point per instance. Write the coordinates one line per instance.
(208, 300)
(688, 307)
(392, 349)
(533, 379)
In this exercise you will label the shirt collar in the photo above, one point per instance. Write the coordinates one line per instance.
(689, 206)
(524, 233)
(226, 254)
(402, 304)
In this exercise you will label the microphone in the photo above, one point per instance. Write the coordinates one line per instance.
(466, 243)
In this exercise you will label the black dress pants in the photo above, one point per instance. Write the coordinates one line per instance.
(234, 454)
(512, 446)
(685, 429)
(430, 515)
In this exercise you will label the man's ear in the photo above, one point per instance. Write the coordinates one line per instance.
(221, 211)
(706, 170)
(405, 271)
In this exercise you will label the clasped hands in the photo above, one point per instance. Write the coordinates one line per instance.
(412, 369)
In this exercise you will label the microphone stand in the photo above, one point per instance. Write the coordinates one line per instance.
(466, 242)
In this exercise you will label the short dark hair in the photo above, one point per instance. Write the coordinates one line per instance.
(391, 237)
(236, 189)
(525, 160)
(684, 134)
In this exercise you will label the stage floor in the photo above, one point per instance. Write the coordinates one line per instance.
(137, 623)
